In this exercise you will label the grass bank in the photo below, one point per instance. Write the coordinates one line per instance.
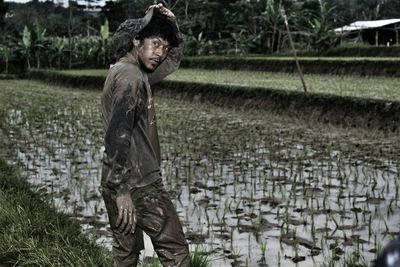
(314, 65)
(384, 88)
(350, 50)
(33, 233)
(350, 109)
(361, 50)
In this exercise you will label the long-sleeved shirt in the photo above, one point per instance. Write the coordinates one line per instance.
(131, 141)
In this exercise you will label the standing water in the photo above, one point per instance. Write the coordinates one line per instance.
(250, 187)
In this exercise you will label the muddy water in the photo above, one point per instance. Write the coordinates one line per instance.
(251, 188)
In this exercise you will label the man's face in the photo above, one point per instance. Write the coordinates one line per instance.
(152, 51)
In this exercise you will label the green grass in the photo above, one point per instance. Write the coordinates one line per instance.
(289, 57)
(385, 88)
(199, 259)
(33, 233)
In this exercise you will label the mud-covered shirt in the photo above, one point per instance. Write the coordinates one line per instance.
(132, 150)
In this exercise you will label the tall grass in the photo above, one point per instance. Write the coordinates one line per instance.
(33, 233)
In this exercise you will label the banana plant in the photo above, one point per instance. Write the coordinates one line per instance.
(6, 53)
(38, 43)
(273, 20)
(27, 42)
(58, 47)
(321, 29)
(105, 34)
(239, 39)
(105, 31)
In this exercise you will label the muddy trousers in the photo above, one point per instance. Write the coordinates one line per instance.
(157, 217)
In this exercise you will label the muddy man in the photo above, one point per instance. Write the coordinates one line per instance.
(147, 50)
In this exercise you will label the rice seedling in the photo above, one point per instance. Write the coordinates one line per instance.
(256, 173)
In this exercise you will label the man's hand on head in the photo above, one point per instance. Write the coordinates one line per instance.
(126, 221)
(164, 10)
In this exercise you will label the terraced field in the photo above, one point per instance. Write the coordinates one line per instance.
(251, 187)
(385, 88)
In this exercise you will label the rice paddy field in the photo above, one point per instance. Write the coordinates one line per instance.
(302, 58)
(251, 188)
(386, 88)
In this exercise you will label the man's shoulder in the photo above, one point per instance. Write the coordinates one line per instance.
(126, 66)
(126, 70)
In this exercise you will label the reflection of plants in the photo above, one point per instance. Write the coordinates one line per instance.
(279, 258)
(228, 171)
(263, 249)
(235, 253)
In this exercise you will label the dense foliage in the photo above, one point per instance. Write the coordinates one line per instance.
(71, 36)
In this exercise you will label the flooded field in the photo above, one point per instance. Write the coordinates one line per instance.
(251, 188)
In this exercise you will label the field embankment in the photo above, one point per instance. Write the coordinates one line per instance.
(33, 233)
(364, 66)
(362, 51)
(327, 107)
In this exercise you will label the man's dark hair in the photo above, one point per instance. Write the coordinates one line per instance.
(161, 26)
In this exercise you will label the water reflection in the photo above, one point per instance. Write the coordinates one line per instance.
(250, 187)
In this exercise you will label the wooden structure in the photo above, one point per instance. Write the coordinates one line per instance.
(375, 32)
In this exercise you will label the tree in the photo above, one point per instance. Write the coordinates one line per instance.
(273, 23)
(347, 11)
(316, 21)
(245, 24)
(58, 47)
(38, 43)
(390, 9)
(118, 11)
(88, 20)
(344, 12)
(322, 34)
(3, 11)
(74, 23)
(6, 53)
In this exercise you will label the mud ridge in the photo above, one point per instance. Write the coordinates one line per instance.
(339, 110)
(364, 67)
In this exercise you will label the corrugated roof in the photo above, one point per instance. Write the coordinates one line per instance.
(366, 24)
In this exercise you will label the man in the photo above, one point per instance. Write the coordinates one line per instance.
(151, 48)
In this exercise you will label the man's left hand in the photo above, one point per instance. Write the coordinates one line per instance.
(126, 221)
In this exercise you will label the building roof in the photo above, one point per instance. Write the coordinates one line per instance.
(366, 24)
